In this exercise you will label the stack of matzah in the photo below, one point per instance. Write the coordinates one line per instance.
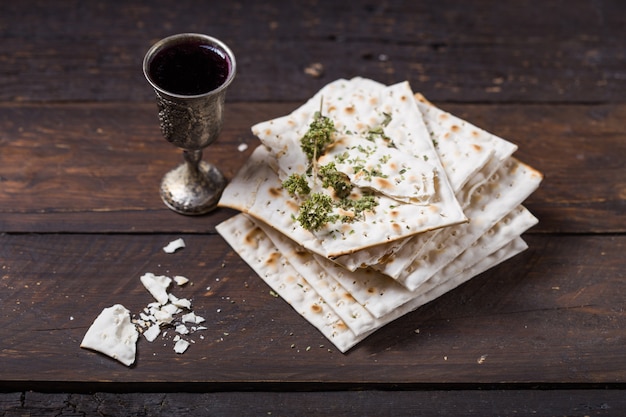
(448, 207)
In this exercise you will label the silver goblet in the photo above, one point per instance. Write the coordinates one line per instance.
(190, 73)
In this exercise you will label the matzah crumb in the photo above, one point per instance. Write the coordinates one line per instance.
(181, 346)
(152, 333)
(180, 280)
(174, 245)
(315, 70)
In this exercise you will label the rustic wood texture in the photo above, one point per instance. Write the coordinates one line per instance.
(321, 404)
(114, 157)
(81, 157)
(557, 307)
(487, 51)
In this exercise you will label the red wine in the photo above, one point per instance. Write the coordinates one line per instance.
(190, 68)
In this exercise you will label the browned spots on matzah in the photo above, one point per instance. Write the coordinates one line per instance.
(387, 257)
(477, 147)
(272, 261)
(371, 290)
(349, 110)
(316, 308)
(340, 141)
(346, 228)
(301, 253)
(396, 227)
(251, 238)
(373, 101)
(275, 192)
(343, 212)
(421, 98)
(455, 128)
(282, 152)
(348, 297)
(403, 98)
(293, 205)
(384, 183)
(393, 214)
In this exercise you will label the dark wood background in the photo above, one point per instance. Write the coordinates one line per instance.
(81, 157)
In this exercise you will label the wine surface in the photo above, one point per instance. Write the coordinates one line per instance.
(190, 68)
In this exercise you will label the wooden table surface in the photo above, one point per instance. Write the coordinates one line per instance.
(81, 158)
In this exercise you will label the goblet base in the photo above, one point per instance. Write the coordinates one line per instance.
(192, 193)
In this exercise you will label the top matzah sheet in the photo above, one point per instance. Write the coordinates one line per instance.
(257, 191)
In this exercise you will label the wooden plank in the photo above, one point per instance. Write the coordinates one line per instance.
(97, 167)
(106, 160)
(556, 307)
(80, 218)
(560, 51)
(361, 403)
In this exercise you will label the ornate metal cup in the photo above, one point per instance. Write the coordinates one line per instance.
(190, 73)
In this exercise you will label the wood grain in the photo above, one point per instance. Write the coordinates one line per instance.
(97, 167)
(540, 310)
(349, 404)
(81, 158)
(487, 51)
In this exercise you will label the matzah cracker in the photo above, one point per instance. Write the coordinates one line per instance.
(257, 191)
(385, 169)
(417, 246)
(379, 162)
(251, 243)
(445, 126)
(258, 251)
(506, 230)
(356, 317)
(506, 189)
(380, 294)
(515, 247)
(427, 169)
(455, 140)
(113, 334)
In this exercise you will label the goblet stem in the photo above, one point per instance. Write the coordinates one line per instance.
(194, 187)
(193, 158)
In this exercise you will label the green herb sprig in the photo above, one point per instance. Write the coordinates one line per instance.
(316, 211)
(318, 137)
(335, 179)
(296, 185)
(317, 208)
